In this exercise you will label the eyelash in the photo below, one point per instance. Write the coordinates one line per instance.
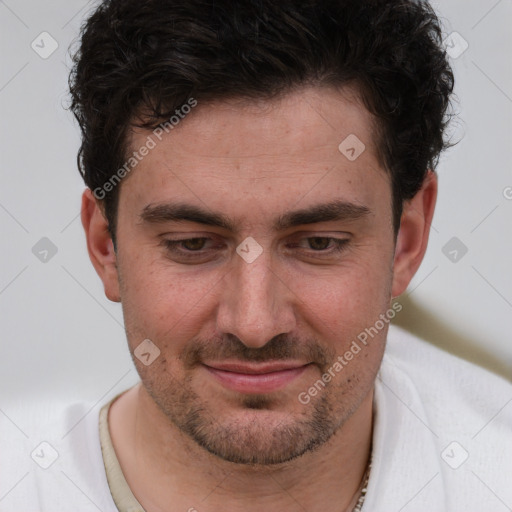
(171, 246)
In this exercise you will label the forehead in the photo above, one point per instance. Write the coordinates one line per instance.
(303, 120)
(311, 143)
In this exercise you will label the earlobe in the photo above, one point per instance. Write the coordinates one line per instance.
(413, 235)
(99, 245)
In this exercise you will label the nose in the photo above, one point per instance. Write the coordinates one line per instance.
(256, 303)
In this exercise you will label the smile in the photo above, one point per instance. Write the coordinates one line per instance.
(261, 378)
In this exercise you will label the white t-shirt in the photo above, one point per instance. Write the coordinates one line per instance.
(442, 442)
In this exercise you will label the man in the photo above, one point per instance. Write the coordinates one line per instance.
(261, 182)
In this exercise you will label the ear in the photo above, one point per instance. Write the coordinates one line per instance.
(99, 244)
(413, 235)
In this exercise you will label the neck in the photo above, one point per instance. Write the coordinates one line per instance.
(163, 466)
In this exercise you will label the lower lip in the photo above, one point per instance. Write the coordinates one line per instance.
(256, 383)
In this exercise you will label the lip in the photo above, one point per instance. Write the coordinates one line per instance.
(255, 378)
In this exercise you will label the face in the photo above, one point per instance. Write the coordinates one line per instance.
(249, 313)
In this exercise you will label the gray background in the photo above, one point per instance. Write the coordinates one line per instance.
(63, 340)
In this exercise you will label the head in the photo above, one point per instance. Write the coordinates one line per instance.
(260, 186)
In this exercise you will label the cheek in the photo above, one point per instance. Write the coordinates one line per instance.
(347, 298)
(162, 303)
(342, 309)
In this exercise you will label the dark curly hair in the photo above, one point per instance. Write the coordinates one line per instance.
(152, 56)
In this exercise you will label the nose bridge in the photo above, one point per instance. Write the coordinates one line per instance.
(255, 282)
(255, 305)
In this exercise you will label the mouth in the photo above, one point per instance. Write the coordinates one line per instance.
(256, 378)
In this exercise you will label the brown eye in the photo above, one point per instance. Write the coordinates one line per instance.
(185, 246)
(319, 243)
(193, 244)
(192, 250)
(322, 246)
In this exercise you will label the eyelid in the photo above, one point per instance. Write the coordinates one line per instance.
(321, 234)
(177, 241)
(337, 243)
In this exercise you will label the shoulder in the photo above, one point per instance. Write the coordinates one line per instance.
(52, 455)
(454, 391)
(443, 431)
(432, 368)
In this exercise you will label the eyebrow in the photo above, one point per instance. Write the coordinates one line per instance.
(337, 210)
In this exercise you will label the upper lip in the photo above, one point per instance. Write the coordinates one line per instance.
(257, 368)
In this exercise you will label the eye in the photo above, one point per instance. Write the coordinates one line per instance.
(192, 250)
(325, 244)
(190, 245)
(319, 243)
